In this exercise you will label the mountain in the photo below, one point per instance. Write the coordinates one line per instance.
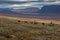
(51, 9)
(6, 11)
(47, 12)
(27, 10)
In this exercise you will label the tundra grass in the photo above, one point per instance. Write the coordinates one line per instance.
(27, 30)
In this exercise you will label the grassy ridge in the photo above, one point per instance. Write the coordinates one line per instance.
(27, 30)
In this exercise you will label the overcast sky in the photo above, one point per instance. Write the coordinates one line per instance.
(40, 4)
(29, 0)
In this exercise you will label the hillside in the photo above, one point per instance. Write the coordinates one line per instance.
(47, 12)
(16, 29)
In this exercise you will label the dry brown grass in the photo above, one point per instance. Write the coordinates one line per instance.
(26, 29)
(32, 19)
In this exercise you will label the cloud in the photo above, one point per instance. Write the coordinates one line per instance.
(32, 0)
(20, 0)
(39, 5)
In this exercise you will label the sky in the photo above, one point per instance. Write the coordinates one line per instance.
(30, 0)
(13, 4)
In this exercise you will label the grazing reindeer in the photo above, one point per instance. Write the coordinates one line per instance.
(51, 24)
(43, 23)
(19, 21)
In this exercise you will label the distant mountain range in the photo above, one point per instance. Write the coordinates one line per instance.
(50, 10)
(53, 9)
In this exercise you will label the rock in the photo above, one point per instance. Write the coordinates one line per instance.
(10, 36)
(38, 38)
